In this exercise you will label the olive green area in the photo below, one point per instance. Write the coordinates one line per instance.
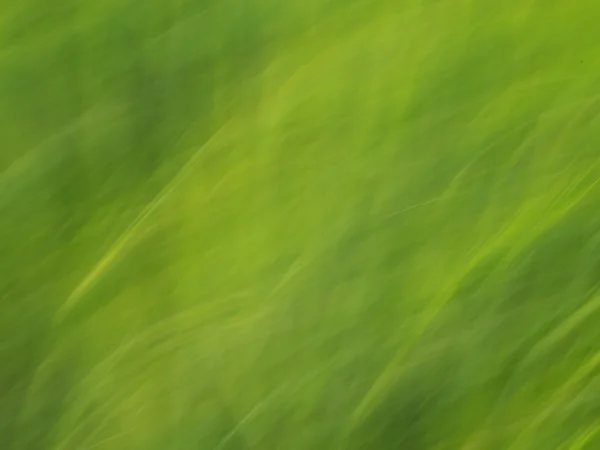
(300, 224)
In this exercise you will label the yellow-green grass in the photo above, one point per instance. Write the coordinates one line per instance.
(299, 225)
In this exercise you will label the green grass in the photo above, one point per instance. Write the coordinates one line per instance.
(299, 225)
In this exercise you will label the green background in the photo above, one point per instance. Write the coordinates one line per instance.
(299, 224)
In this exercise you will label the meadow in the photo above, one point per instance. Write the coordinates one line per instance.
(300, 224)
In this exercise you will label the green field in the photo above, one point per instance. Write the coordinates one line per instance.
(299, 225)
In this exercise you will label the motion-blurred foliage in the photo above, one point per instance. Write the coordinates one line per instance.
(301, 224)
